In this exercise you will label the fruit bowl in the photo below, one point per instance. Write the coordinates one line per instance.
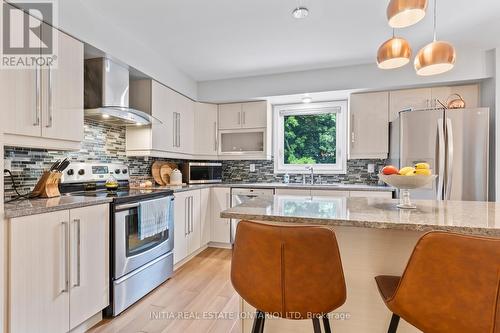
(406, 183)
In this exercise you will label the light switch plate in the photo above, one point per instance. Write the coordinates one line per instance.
(371, 168)
(252, 167)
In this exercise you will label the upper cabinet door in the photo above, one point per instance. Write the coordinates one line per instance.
(205, 129)
(162, 107)
(185, 108)
(369, 125)
(254, 114)
(406, 99)
(230, 116)
(20, 100)
(62, 116)
(470, 94)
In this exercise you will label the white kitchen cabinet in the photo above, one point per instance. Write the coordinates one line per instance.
(205, 216)
(62, 116)
(409, 98)
(254, 114)
(174, 137)
(371, 194)
(44, 107)
(230, 116)
(369, 127)
(470, 93)
(243, 115)
(38, 273)
(205, 131)
(89, 234)
(187, 224)
(221, 200)
(58, 277)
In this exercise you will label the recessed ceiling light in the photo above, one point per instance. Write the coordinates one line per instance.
(138, 124)
(105, 116)
(306, 99)
(300, 12)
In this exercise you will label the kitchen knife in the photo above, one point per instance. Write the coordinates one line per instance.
(55, 165)
(64, 164)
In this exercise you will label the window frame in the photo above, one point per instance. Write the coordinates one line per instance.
(279, 111)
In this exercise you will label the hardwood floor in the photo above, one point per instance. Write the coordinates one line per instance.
(199, 288)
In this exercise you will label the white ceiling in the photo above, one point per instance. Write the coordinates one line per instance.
(217, 39)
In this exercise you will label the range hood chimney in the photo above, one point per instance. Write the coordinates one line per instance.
(106, 91)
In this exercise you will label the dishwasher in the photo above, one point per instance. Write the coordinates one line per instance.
(241, 195)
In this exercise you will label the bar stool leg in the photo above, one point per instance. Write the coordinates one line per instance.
(258, 322)
(326, 324)
(316, 325)
(393, 326)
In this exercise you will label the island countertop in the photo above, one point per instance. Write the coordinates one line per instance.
(466, 217)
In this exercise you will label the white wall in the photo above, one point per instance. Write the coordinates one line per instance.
(471, 65)
(77, 19)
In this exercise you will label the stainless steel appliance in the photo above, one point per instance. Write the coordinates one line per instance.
(106, 94)
(455, 144)
(202, 172)
(241, 195)
(138, 264)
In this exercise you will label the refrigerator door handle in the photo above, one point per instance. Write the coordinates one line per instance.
(441, 159)
(449, 166)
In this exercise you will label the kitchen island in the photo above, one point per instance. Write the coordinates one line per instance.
(375, 238)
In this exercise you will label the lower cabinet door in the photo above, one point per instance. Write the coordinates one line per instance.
(221, 200)
(39, 273)
(181, 217)
(205, 216)
(89, 253)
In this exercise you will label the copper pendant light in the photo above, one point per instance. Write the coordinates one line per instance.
(435, 58)
(403, 13)
(393, 53)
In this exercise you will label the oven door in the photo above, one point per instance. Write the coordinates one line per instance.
(132, 252)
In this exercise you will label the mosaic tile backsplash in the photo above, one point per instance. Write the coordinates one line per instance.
(104, 143)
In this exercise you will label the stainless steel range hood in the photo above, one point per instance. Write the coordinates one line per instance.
(106, 91)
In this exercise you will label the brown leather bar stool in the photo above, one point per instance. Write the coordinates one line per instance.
(292, 272)
(451, 284)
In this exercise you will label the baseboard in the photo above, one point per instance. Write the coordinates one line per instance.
(188, 258)
(220, 245)
(88, 324)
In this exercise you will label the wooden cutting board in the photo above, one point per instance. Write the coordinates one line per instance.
(165, 172)
(155, 171)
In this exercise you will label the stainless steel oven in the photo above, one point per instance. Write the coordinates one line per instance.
(202, 172)
(140, 264)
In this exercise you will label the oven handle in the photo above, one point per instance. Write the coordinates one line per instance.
(131, 205)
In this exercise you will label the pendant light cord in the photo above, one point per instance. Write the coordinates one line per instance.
(435, 10)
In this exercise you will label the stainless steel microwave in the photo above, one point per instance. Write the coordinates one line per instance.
(202, 172)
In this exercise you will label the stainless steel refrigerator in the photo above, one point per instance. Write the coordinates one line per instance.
(455, 144)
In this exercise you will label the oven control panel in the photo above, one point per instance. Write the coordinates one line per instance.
(94, 172)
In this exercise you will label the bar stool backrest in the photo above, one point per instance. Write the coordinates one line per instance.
(292, 272)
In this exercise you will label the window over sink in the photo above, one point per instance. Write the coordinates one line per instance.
(310, 135)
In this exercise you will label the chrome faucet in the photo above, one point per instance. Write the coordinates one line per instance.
(310, 168)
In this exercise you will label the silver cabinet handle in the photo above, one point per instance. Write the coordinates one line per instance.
(244, 120)
(49, 111)
(78, 253)
(449, 167)
(65, 228)
(178, 129)
(215, 137)
(186, 216)
(239, 118)
(353, 140)
(192, 214)
(36, 119)
(174, 129)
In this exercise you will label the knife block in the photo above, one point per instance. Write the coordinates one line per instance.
(48, 185)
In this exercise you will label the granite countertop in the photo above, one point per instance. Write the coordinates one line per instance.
(467, 217)
(334, 186)
(39, 206)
